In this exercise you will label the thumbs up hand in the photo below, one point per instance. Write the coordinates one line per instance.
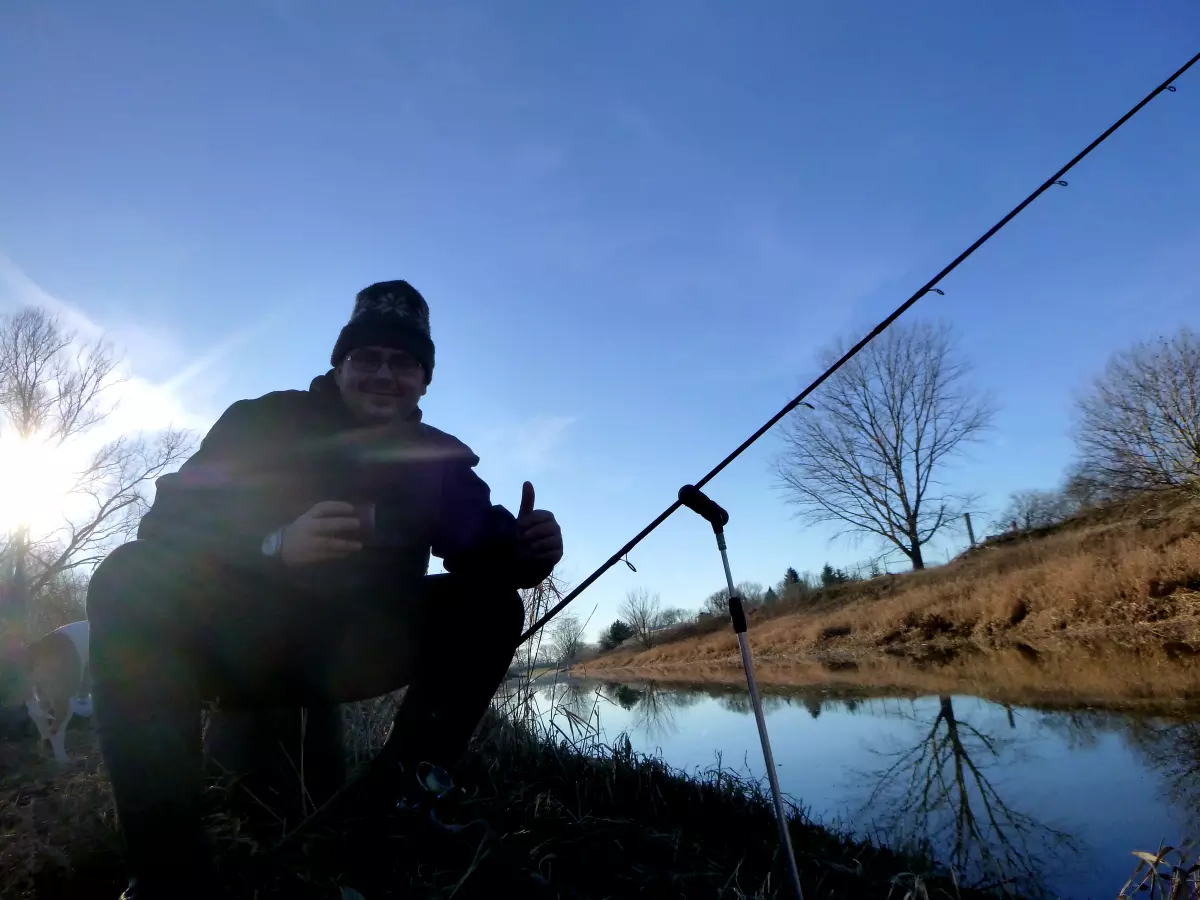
(539, 536)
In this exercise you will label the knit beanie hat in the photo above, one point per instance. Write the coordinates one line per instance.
(388, 314)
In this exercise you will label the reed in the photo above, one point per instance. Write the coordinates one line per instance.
(1167, 874)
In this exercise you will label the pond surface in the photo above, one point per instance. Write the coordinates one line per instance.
(1050, 801)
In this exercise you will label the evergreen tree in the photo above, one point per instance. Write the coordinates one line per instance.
(615, 635)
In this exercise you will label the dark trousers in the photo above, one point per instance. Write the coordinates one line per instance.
(289, 758)
(169, 632)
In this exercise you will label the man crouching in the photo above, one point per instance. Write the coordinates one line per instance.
(285, 564)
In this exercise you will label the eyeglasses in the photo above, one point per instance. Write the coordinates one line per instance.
(367, 361)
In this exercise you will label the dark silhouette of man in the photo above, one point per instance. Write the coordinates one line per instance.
(285, 563)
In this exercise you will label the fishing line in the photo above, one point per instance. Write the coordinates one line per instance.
(929, 286)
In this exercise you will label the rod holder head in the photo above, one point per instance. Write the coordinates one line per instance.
(701, 504)
(737, 614)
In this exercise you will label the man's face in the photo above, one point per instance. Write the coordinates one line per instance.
(379, 384)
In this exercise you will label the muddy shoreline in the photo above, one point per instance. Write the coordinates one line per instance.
(1157, 670)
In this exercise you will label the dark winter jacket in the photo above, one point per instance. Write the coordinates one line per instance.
(267, 461)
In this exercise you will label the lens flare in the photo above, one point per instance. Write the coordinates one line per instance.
(36, 479)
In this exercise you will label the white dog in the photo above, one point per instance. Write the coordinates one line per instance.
(53, 682)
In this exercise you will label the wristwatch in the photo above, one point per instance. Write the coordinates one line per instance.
(272, 544)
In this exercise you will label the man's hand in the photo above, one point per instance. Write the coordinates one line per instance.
(539, 536)
(320, 535)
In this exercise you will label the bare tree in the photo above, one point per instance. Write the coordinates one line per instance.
(717, 602)
(566, 638)
(641, 611)
(1034, 509)
(537, 601)
(672, 615)
(62, 600)
(1138, 425)
(1082, 490)
(751, 593)
(54, 389)
(891, 419)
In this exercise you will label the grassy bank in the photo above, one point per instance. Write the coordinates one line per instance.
(1065, 673)
(1125, 577)
(563, 823)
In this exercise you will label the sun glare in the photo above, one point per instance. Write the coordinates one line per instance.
(35, 480)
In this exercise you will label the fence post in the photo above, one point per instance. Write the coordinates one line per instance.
(970, 530)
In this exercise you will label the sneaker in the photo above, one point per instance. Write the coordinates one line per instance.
(420, 807)
(186, 877)
(182, 888)
(382, 790)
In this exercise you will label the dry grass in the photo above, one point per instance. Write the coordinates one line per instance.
(1166, 874)
(563, 820)
(1129, 575)
(56, 819)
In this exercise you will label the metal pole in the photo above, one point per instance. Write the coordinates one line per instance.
(736, 612)
(970, 530)
(695, 500)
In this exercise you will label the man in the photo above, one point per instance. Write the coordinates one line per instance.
(285, 563)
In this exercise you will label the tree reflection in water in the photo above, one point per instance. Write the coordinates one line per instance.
(937, 797)
(1168, 740)
(653, 706)
(1172, 748)
(942, 790)
(573, 710)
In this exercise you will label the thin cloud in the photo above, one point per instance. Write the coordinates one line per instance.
(26, 292)
(224, 349)
(138, 403)
(531, 446)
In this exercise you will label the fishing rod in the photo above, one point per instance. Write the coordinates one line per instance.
(931, 285)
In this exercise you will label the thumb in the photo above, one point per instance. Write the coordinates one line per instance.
(526, 500)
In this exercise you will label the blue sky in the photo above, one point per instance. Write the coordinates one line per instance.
(636, 224)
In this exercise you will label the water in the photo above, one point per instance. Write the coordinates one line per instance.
(1032, 797)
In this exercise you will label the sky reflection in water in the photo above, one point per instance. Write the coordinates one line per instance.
(1057, 798)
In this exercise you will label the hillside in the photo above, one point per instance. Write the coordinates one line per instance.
(1121, 578)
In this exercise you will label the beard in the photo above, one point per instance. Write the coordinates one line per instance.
(380, 400)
